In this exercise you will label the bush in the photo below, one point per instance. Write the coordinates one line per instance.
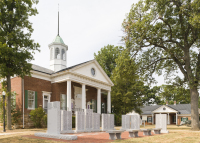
(73, 121)
(16, 116)
(37, 116)
(44, 119)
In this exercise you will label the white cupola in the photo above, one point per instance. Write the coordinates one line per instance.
(58, 53)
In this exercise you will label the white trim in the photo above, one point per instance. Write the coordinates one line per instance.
(34, 101)
(184, 114)
(46, 94)
(174, 111)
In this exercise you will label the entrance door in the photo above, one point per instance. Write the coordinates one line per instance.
(78, 101)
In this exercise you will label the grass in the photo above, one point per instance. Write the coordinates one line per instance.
(181, 134)
(172, 137)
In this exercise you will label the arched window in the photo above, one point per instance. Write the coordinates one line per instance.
(51, 54)
(57, 53)
(63, 55)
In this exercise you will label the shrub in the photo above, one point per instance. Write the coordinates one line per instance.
(16, 116)
(44, 119)
(73, 121)
(37, 116)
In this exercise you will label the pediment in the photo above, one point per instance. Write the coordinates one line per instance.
(86, 70)
(164, 109)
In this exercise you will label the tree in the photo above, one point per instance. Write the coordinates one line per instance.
(173, 93)
(151, 96)
(16, 45)
(106, 57)
(127, 91)
(165, 34)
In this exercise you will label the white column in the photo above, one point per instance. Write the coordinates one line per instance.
(83, 97)
(152, 119)
(69, 95)
(176, 119)
(168, 118)
(108, 102)
(99, 100)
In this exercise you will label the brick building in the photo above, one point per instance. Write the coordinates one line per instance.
(176, 113)
(82, 86)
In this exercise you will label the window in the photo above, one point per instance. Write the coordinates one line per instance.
(63, 55)
(31, 99)
(57, 53)
(149, 119)
(46, 100)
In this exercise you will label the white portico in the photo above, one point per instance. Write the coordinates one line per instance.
(88, 74)
(166, 110)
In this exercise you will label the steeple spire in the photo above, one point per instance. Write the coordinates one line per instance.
(58, 19)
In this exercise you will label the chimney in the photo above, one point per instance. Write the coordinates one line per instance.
(166, 102)
(174, 102)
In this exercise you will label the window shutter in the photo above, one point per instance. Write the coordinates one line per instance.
(26, 99)
(147, 119)
(186, 119)
(35, 99)
(181, 119)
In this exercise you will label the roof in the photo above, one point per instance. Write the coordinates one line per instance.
(181, 108)
(50, 72)
(58, 39)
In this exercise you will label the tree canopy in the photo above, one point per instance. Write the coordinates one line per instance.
(16, 45)
(164, 36)
(106, 57)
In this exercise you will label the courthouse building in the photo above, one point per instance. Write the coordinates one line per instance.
(82, 86)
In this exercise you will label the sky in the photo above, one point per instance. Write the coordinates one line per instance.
(86, 26)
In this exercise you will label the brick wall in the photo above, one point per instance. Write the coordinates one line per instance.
(39, 85)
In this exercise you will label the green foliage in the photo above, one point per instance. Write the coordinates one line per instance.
(151, 96)
(44, 119)
(37, 116)
(127, 90)
(13, 107)
(164, 37)
(106, 57)
(16, 116)
(16, 45)
(73, 121)
(173, 93)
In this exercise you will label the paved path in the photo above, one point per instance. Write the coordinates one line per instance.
(97, 137)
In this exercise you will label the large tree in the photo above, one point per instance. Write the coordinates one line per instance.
(16, 45)
(165, 34)
(127, 90)
(106, 57)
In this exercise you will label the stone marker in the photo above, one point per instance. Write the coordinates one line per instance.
(66, 121)
(88, 120)
(53, 123)
(80, 121)
(96, 122)
(53, 116)
(161, 122)
(123, 122)
(111, 120)
(127, 122)
(104, 122)
(135, 121)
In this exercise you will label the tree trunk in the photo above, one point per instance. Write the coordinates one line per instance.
(194, 108)
(8, 105)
